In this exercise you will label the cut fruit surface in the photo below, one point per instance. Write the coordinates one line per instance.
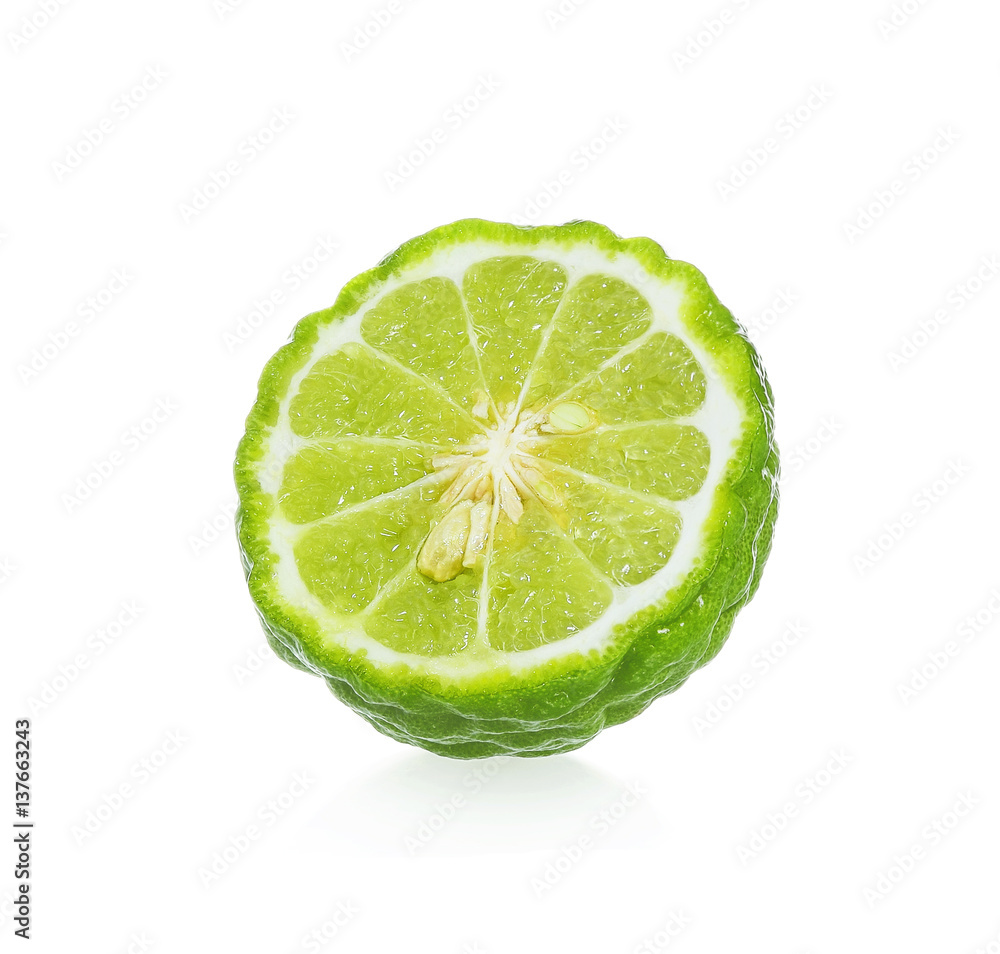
(513, 486)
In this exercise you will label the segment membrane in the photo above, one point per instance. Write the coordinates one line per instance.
(347, 560)
(596, 319)
(669, 460)
(659, 379)
(324, 478)
(424, 326)
(541, 589)
(511, 301)
(627, 536)
(354, 391)
(416, 615)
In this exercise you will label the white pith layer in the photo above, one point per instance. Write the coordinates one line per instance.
(720, 418)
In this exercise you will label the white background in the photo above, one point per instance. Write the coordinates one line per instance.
(886, 540)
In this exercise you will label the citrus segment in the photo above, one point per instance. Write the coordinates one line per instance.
(541, 588)
(626, 536)
(355, 391)
(347, 560)
(511, 301)
(323, 478)
(661, 458)
(598, 316)
(660, 378)
(401, 323)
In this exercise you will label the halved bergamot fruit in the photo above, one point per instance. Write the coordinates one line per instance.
(512, 487)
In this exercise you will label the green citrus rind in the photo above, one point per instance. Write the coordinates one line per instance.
(562, 704)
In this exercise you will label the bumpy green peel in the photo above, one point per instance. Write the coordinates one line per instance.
(561, 704)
